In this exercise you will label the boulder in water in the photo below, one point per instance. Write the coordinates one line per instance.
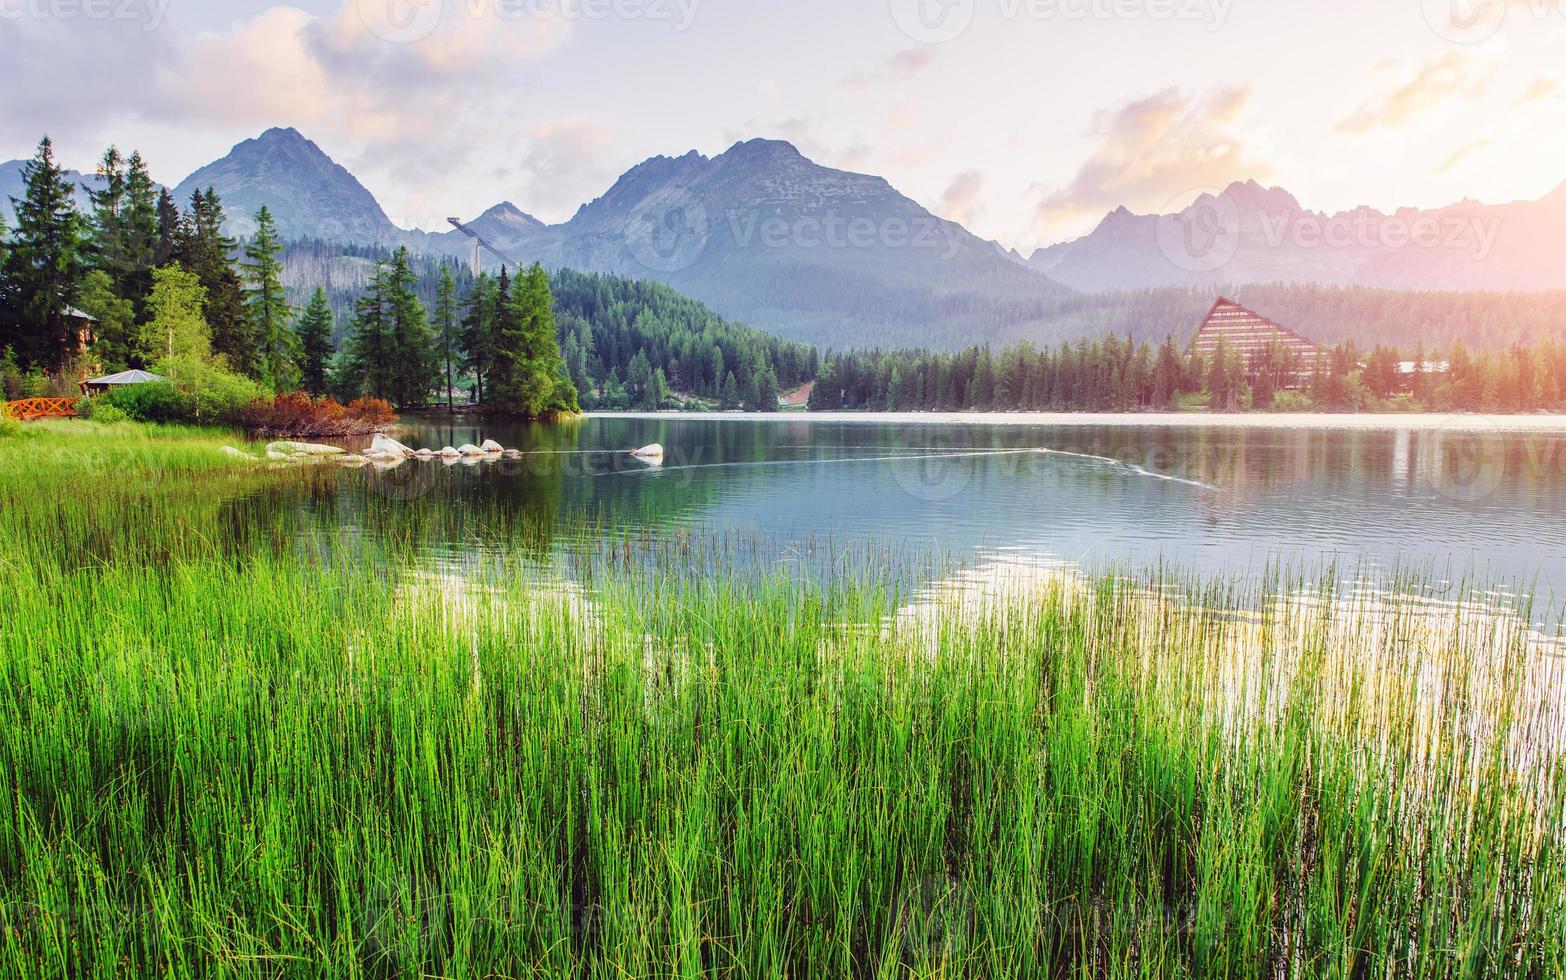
(449, 453)
(385, 445)
(470, 450)
(491, 447)
(425, 453)
(649, 454)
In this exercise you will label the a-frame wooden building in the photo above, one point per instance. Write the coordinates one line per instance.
(1250, 334)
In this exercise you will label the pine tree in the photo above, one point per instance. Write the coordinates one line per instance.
(106, 224)
(203, 249)
(314, 339)
(478, 329)
(446, 329)
(140, 230)
(530, 377)
(413, 362)
(269, 312)
(44, 266)
(367, 355)
(169, 229)
(731, 397)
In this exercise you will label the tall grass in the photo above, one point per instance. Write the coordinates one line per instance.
(218, 758)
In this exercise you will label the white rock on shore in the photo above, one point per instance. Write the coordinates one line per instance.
(383, 445)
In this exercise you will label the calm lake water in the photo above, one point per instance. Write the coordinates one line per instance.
(1455, 499)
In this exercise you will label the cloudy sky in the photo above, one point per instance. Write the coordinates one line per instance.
(1025, 119)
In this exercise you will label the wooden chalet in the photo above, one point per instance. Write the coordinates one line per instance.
(1250, 334)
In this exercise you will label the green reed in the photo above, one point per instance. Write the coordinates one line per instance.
(238, 740)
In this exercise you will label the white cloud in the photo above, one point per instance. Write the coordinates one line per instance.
(1153, 150)
(1454, 75)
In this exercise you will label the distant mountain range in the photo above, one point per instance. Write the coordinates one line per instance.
(11, 185)
(765, 236)
(1252, 234)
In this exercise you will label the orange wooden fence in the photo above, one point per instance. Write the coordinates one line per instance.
(28, 409)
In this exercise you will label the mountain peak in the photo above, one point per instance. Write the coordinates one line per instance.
(1250, 194)
(506, 211)
(309, 194)
(763, 149)
(282, 133)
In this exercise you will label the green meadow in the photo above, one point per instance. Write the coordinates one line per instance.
(240, 739)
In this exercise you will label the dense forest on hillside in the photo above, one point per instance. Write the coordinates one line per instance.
(1326, 314)
(617, 335)
(1114, 374)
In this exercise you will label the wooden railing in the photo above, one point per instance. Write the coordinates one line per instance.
(28, 409)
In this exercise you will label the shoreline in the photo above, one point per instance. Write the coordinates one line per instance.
(1452, 422)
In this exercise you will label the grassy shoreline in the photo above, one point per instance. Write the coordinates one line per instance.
(232, 743)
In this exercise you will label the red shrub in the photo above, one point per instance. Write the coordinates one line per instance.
(300, 416)
(377, 413)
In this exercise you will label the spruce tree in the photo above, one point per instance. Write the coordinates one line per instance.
(367, 367)
(446, 333)
(413, 348)
(140, 229)
(530, 377)
(478, 329)
(203, 249)
(44, 267)
(268, 308)
(169, 229)
(313, 334)
(106, 224)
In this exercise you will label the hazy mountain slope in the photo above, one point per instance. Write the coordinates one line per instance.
(1251, 234)
(12, 186)
(768, 237)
